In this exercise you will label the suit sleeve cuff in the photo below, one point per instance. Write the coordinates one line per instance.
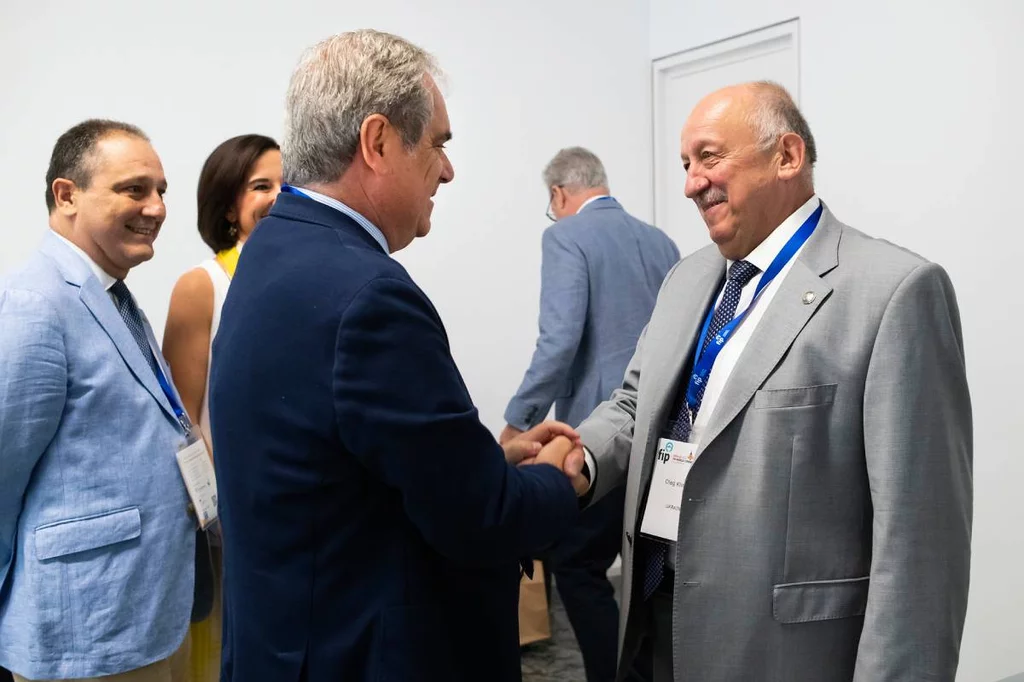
(521, 414)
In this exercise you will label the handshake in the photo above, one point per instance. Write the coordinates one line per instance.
(550, 442)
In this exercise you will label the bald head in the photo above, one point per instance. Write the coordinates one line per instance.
(748, 154)
(769, 110)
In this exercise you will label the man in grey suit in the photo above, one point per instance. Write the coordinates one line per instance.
(794, 431)
(600, 275)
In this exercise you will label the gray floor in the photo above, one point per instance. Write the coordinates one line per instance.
(558, 659)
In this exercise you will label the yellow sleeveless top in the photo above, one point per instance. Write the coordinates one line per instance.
(228, 259)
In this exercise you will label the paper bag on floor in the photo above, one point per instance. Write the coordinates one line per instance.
(534, 624)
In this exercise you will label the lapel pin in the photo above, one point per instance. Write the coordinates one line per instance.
(809, 298)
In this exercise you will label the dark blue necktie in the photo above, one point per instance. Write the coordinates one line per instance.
(678, 426)
(133, 320)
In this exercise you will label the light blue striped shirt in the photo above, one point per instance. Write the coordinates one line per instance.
(370, 228)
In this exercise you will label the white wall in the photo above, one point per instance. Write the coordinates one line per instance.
(916, 107)
(913, 104)
(525, 79)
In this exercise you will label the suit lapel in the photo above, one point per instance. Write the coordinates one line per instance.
(102, 308)
(670, 347)
(800, 295)
(77, 274)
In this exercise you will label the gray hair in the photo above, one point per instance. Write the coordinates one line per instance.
(777, 114)
(341, 81)
(575, 168)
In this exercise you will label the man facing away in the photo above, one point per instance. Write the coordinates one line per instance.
(600, 275)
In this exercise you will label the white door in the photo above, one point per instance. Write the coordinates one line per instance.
(682, 80)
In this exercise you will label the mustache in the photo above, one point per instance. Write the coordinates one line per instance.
(710, 197)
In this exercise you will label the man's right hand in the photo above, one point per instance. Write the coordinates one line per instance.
(568, 457)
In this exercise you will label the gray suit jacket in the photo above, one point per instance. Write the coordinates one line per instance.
(601, 271)
(825, 527)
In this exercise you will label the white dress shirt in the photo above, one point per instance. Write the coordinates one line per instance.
(355, 215)
(590, 201)
(105, 279)
(762, 256)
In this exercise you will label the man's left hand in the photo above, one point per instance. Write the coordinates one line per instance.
(508, 433)
(526, 445)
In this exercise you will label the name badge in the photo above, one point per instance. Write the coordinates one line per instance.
(197, 471)
(672, 464)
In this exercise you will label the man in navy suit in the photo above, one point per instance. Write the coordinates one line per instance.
(373, 527)
(600, 275)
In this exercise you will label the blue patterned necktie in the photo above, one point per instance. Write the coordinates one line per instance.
(678, 427)
(133, 320)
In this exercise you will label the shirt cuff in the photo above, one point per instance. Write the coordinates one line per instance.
(591, 465)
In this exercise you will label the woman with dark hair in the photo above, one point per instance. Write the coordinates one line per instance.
(237, 186)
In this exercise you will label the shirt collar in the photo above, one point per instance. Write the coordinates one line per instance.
(590, 201)
(355, 215)
(766, 251)
(105, 279)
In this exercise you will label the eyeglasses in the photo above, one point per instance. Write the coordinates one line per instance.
(549, 214)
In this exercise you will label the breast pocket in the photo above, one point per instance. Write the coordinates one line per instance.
(806, 396)
(785, 418)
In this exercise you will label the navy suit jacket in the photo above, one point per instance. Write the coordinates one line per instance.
(372, 527)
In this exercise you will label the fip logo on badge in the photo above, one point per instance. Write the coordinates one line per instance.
(664, 452)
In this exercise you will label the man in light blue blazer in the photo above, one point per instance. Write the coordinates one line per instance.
(600, 275)
(96, 540)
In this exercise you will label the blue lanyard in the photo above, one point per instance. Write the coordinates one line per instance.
(288, 189)
(704, 362)
(179, 411)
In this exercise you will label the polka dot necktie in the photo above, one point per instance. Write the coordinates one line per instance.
(133, 320)
(678, 427)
